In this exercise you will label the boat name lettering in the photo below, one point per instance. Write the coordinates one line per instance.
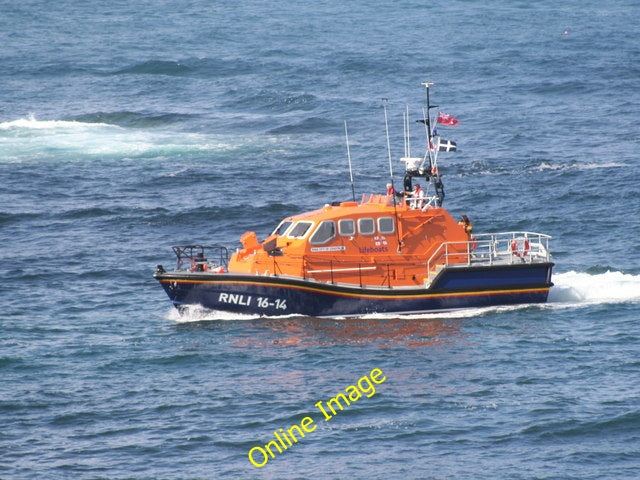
(235, 299)
(259, 456)
(339, 248)
(373, 249)
(261, 302)
(277, 303)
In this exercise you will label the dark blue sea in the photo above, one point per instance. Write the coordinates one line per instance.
(128, 127)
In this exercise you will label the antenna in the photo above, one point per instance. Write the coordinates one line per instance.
(407, 134)
(395, 208)
(386, 125)
(429, 106)
(429, 129)
(433, 156)
(404, 130)
(346, 135)
(426, 85)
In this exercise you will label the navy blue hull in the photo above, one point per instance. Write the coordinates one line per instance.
(453, 288)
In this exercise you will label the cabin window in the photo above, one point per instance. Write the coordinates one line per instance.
(366, 226)
(325, 232)
(282, 228)
(300, 229)
(347, 227)
(386, 225)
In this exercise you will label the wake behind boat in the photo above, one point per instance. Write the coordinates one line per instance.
(401, 252)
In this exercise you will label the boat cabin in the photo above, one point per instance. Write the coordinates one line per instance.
(380, 241)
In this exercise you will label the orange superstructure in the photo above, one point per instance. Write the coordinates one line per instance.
(380, 241)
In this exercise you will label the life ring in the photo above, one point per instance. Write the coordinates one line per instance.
(520, 247)
(199, 267)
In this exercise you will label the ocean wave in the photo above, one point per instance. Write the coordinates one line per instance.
(7, 218)
(155, 67)
(308, 125)
(601, 427)
(132, 119)
(199, 67)
(593, 165)
(269, 101)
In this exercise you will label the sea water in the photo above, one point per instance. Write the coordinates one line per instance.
(129, 127)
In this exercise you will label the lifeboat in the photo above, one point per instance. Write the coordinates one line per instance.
(396, 253)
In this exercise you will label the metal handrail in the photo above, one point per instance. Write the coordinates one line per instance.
(492, 248)
(191, 255)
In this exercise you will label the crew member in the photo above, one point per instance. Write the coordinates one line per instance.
(417, 196)
(390, 189)
(466, 224)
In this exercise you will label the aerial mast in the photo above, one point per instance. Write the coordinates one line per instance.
(427, 120)
(346, 135)
(433, 166)
(386, 126)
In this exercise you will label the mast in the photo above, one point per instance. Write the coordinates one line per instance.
(393, 188)
(346, 135)
(432, 175)
(386, 126)
(427, 121)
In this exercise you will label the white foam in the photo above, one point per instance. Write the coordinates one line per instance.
(197, 313)
(28, 137)
(580, 166)
(30, 123)
(441, 314)
(585, 288)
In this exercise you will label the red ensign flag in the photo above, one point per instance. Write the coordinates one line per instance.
(446, 119)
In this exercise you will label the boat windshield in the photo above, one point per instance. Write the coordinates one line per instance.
(325, 232)
(282, 228)
(299, 230)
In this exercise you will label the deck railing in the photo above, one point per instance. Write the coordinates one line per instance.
(490, 249)
(200, 257)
